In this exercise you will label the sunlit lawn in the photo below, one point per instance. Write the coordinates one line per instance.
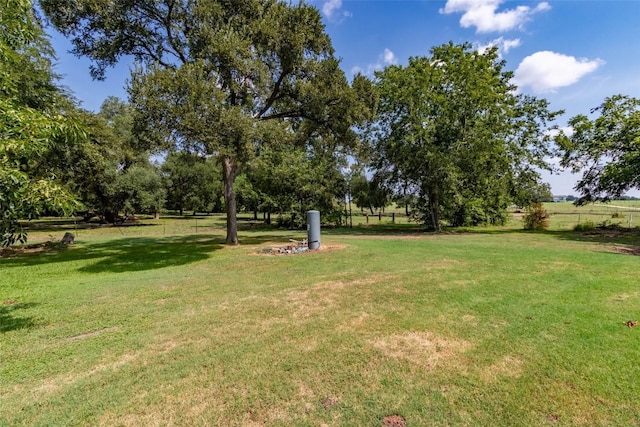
(160, 325)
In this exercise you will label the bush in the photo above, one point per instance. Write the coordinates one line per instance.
(585, 226)
(617, 215)
(536, 218)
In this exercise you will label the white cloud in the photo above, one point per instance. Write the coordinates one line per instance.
(567, 130)
(546, 71)
(503, 45)
(483, 14)
(357, 70)
(332, 9)
(385, 58)
(389, 57)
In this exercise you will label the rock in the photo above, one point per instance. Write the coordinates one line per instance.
(68, 239)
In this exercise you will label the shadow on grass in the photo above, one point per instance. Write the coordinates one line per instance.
(606, 236)
(127, 254)
(9, 321)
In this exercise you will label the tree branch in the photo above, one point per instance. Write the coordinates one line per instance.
(273, 97)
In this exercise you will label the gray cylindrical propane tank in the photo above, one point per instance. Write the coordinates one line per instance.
(313, 229)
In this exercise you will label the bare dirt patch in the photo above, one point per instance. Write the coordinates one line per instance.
(627, 250)
(328, 402)
(35, 248)
(425, 349)
(394, 421)
(270, 249)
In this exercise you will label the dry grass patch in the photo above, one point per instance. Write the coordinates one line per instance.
(507, 366)
(53, 384)
(425, 349)
(443, 264)
(91, 334)
(625, 297)
(305, 303)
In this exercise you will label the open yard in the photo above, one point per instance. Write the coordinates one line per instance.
(164, 325)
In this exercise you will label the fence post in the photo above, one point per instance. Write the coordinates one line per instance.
(367, 216)
(393, 217)
(379, 216)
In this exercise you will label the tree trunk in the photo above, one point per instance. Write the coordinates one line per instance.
(434, 207)
(229, 175)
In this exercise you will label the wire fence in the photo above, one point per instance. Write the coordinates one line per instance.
(565, 217)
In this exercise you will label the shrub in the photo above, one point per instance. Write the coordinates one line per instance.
(536, 218)
(617, 215)
(585, 226)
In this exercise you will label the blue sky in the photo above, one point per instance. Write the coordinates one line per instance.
(573, 53)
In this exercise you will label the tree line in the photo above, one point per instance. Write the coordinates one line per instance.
(243, 106)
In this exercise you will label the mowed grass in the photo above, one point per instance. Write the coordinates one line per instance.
(496, 327)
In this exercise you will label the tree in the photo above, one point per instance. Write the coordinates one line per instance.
(606, 148)
(192, 182)
(109, 170)
(212, 74)
(140, 190)
(289, 180)
(369, 194)
(32, 121)
(453, 133)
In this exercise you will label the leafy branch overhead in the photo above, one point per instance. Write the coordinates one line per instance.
(606, 148)
(32, 122)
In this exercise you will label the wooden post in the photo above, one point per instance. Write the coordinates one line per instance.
(367, 216)
(379, 216)
(393, 217)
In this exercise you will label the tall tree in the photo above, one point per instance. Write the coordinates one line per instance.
(606, 148)
(289, 180)
(192, 182)
(99, 168)
(452, 131)
(212, 73)
(33, 119)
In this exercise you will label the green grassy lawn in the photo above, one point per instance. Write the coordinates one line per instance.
(160, 325)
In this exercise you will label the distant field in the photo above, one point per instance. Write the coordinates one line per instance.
(565, 215)
(158, 324)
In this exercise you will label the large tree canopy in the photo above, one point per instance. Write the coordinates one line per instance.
(606, 148)
(453, 133)
(212, 73)
(32, 121)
